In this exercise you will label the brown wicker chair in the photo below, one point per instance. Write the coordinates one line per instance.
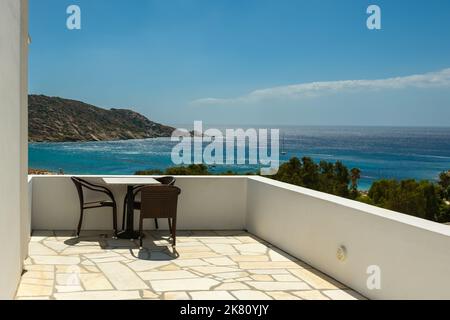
(167, 181)
(81, 184)
(159, 202)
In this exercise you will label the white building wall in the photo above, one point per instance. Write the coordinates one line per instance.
(13, 142)
(25, 182)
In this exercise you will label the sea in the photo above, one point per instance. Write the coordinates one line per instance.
(379, 152)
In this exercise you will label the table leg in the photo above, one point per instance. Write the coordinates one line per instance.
(129, 232)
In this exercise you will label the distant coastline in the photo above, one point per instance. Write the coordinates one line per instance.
(55, 119)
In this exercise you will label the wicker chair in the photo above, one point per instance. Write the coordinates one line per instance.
(159, 202)
(167, 181)
(81, 184)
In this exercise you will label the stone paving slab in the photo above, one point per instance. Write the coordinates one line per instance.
(218, 265)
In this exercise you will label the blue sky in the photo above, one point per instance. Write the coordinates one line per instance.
(265, 62)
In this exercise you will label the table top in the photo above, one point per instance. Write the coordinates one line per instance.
(130, 181)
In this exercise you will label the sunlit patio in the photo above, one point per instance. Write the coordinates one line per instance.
(204, 265)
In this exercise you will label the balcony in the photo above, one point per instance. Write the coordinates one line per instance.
(239, 238)
(225, 265)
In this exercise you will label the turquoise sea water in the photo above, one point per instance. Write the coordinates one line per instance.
(380, 152)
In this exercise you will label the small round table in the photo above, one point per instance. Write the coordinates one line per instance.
(130, 182)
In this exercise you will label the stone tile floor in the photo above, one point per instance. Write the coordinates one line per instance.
(205, 265)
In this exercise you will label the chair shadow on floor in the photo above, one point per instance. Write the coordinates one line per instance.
(157, 246)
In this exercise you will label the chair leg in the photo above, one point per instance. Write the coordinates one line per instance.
(80, 222)
(170, 225)
(115, 221)
(124, 212)
(174, 232)
(156, 224)
(140, 232)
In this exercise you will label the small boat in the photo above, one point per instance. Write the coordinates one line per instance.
(283, 144)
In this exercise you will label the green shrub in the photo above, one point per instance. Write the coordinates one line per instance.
(417, 198)
(326, 177)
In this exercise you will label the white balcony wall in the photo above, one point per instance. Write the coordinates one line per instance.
(413, 254)
(206, 203)
(13, 143)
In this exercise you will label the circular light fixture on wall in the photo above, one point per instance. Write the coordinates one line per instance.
(341, 253)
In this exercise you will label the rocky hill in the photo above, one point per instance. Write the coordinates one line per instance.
(61, 120)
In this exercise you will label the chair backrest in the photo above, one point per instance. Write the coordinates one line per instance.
(168, 181)
(159, 201)
(79, 185)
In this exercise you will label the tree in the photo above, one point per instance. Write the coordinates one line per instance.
(342, 180)
(355, 175)
(289, 172)
(444, 183)
(193, 170)
(309, 173)
(325, 176)
(420, 199)
(149, 173)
